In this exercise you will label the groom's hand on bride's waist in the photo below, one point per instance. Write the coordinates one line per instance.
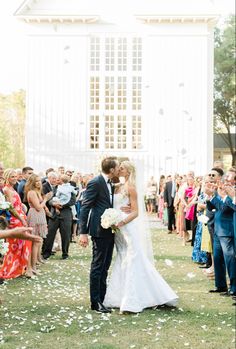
(126, 209)
(83, 240)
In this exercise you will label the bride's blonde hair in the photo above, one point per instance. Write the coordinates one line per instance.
(129, 166)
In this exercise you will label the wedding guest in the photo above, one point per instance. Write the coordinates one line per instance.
(63, 194)
(198, 255)
(189, 200)
(223, 247)
(26, 172)
(179, 207)
(61, 170)
(50, 184)
(151, 195)
(19, 177)
(63, 222)
(36, 216)
(17, 258)
(44, 179)
(161, 197)
(169, 195)
(214, 175)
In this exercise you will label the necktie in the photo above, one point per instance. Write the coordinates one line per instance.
(173, 190)
(110, 191)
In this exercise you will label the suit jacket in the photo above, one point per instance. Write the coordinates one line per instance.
(95, 201)
(223, 223)
(167, 194)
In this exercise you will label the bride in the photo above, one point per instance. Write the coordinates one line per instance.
(135, 284)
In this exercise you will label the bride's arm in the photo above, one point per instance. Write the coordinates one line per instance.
(133, 206)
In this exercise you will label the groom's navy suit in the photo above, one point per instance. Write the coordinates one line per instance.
(97, 199)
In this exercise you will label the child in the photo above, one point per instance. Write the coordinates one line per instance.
(63, 194)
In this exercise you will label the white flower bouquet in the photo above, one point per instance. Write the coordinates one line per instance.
(203, 219)
(3, 247)
(110, 218)
(5, 205)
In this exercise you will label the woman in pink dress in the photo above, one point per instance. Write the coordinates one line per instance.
(189, 201)
(16, 259)
(36, 217)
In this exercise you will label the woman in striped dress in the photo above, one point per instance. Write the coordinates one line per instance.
(36, 216)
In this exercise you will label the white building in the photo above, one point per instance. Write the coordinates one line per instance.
(129, 78)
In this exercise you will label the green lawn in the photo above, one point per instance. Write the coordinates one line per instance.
(52, 311)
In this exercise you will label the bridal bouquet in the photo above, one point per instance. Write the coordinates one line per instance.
(110, 218)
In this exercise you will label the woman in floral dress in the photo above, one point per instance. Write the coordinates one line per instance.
(16, 259)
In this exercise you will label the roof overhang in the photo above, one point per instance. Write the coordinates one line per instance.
(155, 19)
(59, 18)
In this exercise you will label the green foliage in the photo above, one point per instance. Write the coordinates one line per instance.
(224, 82)
(12, 129)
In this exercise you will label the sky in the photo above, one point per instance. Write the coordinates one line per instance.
(13, 56)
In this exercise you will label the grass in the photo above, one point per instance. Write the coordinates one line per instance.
(53, 312)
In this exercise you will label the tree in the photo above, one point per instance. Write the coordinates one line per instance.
(224, 83)
(12, 129)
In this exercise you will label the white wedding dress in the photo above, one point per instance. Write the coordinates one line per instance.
(134, 284)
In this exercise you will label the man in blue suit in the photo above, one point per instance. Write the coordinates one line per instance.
(223, 249)
(98, 197)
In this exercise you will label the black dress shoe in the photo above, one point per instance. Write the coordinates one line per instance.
(45, 256)
(218, 290)
(99, 307)
(206, 266)
(64, 257)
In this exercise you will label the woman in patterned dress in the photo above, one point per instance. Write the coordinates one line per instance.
(16, 259)
(37, 215)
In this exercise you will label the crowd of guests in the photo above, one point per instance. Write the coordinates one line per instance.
(45, 214)
(44, 207)
(201, 210)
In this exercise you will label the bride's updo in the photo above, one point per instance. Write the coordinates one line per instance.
(129, 166)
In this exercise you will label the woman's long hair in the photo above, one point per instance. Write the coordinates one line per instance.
(30, 185)
(131, 170)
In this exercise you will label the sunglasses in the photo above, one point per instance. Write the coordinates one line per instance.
(211, 175)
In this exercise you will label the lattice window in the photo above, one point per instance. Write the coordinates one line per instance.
(94, 92)
(122, 54)
(136, 132)
(95, 54)
(94, 131)
(137, 54)
(109, 131)
(109, 93)
(109, 54)
(137, 93)
(121, 93)
(121, 132)
(115, 93)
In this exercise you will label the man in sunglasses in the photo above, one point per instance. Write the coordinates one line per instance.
(223, 247)
(215, 175)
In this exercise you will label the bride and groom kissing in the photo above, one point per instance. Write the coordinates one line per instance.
(134, 284)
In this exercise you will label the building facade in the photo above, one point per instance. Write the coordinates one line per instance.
(133, 81)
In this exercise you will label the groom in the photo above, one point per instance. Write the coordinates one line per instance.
(97, 198)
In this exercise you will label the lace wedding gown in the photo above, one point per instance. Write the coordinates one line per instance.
(134, 284)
